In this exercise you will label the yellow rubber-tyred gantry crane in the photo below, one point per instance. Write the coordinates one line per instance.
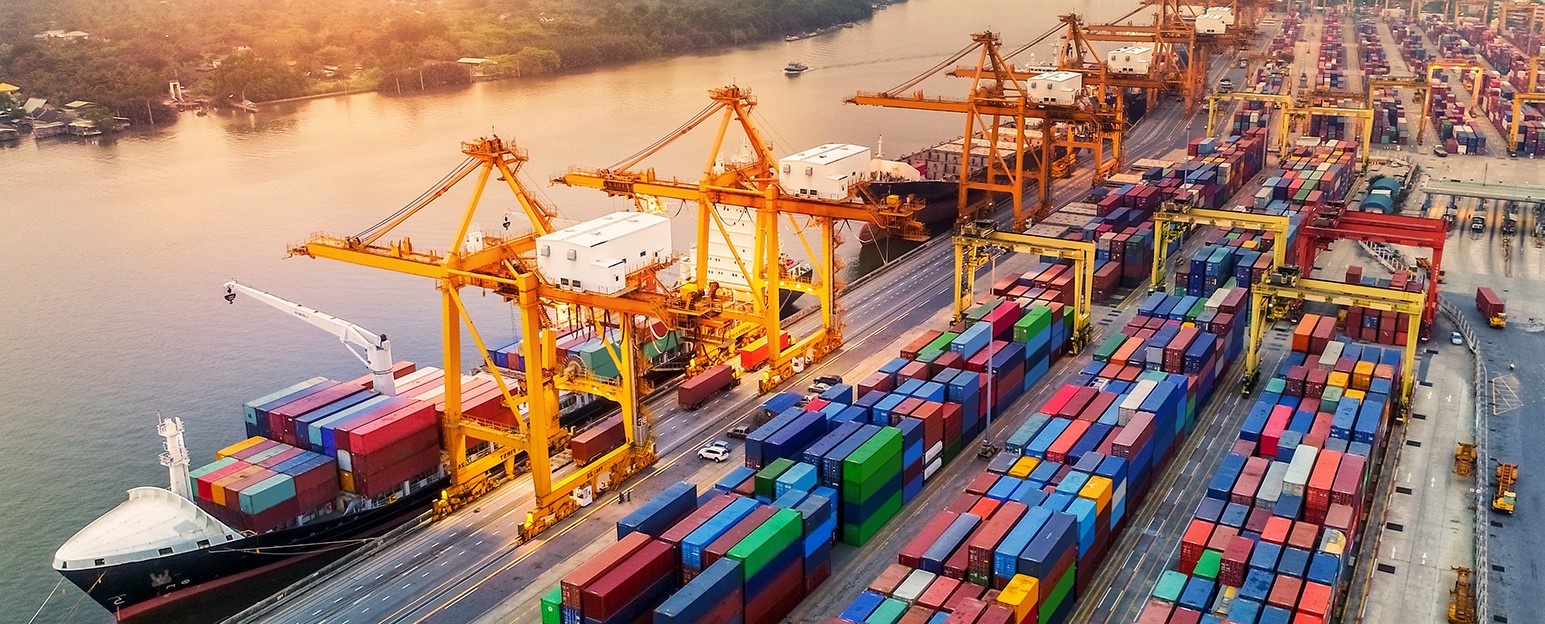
(506, 266)
(753, 185)
(999, 103)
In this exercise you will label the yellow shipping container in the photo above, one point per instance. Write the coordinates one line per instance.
(1098, 489)
(238, 447)
(1021, 594)
(217, 491)
(346, 481)
(1024, 467)
(1337, 379)
(1355, 394)
(1362, 375)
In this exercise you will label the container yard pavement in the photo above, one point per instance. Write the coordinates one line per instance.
(1429, 523)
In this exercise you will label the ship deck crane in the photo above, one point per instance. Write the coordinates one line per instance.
(1282, 286)
(972, 244)
(1172, 218)
(754, 186)
(504, 266)
(997, 100)
(1338, 223)
(377, 349)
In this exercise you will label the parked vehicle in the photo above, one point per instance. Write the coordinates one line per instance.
(716, 451)
(1478, 223)
(740, 432)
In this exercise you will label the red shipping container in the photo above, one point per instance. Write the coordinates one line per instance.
(1076, 402)
(281, 420)
(996, 614)
(911, 554)
(1059, 448)
(1102, 401)
(915, 614)
(1236, 562)
(1184, 615)
(961, 503)
(1222, 536)
(1155, 611)
(597, 440)
(966, 611)
(1315, 600)
(982, 482)
(574, 584)
(938, 593)
(877, 382)
(389, 479)
(910, 351)
(1194, 542)
(1276, 530)
(982, 541)
(1348, 485)
(889, 578)
(963, 592)
(1284, 592)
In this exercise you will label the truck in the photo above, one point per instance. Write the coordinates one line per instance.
(696, 391)
(1507, 477)
(1477, 223)
(1491, 306)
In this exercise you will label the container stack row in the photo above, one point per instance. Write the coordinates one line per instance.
(1309, 177)
(1330, 68)
(1409, 44)
(580, 345)
(1380, 326)
(259, 485)
(845, 463)
(1241, 256)
(1390, 126)
(1370, 50)
(1029, 532)
(378, 442)
(1272, 541)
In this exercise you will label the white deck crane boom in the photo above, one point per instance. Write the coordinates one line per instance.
(377, 349)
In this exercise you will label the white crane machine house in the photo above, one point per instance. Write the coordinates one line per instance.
(597, 255)
(1129, 60)
(1059, 87)
(825, 171)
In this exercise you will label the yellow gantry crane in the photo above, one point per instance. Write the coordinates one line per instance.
(1173, 218)
(975, 241)
(1421, 91)
(1291, 112)
(1000, 105)
(1276, 294)
(506, 266)
(754, 186)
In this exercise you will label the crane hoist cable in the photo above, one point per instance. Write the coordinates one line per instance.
(933, 70)
(417, 201)
(671, 136)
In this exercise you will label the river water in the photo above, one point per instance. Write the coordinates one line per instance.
(110, 308)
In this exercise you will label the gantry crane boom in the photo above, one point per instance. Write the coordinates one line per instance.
(504, 266)
(754, 185)
(1172, 218)
(377, 348)
(972, 242)
(997, 102)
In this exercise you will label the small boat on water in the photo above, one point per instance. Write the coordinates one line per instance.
(243, 104)
(795, 68)
(9, 134)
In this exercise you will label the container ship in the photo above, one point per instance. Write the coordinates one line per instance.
(326, 465)
(1023, 540)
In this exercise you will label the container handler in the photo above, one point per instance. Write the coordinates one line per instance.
(1464, 459)
(1507, 477)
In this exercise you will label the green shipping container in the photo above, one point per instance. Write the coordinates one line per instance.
(889, 612)
(1207, 566)
(929, 355)
(981, 310)
(780, 532)
(766, 481)
(858, 492)
(264, 495)
(1063, 591)
(1330, 399)
(942, 343)
(1036, 320)
(859, 534)
(880, 455)
(552, 606)
(1170, 584)
(1107, 347)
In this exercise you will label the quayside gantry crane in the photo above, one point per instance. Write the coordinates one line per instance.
(505, 266)
(753, 186)
(1000, 104)
(1273, 297)
(376, 348)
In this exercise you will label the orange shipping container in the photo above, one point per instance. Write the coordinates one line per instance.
(1303, 332)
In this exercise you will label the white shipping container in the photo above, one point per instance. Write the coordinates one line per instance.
(913, 587)
(1332, 353)
(1296, 477)
(1271, 485)
(598, 255)
(1134, 400)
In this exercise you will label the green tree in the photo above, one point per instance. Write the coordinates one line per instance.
(256, 78)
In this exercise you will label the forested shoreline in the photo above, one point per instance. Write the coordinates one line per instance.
(123, 53)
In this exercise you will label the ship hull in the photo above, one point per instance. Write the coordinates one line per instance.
(155, 588)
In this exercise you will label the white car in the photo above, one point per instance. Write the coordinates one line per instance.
(716, 451)
(1456, 338)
